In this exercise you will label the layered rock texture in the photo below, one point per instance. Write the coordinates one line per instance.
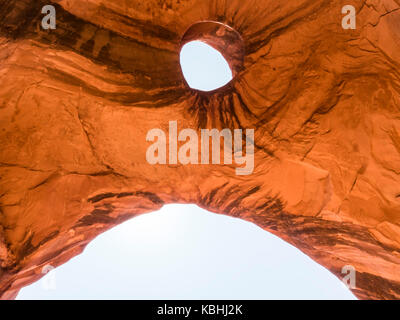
(76, 104)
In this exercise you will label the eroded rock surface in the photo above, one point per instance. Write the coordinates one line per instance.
(77, 102)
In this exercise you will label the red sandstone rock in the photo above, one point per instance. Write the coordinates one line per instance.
(76, 104)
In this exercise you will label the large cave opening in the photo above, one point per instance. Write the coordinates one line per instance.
(185, 252)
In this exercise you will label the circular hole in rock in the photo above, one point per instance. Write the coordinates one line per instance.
(204, 67)
(211, 55)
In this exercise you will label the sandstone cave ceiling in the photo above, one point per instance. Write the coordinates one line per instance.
(76, 103)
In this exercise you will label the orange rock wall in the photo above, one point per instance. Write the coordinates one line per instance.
(77, 102)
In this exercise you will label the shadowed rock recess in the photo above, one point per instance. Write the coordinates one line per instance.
(77, 102)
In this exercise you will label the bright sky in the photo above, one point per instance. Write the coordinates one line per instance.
(203, 67)
(184, 252)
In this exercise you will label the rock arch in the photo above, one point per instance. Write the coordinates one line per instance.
(77, 101)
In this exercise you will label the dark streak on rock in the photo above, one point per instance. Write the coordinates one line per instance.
(149, 195)
(146, 28)
(157, 100)
(381, 288)
(28, 248)
(102, 196)
(125, 194)
(207, 200)
(101, 214)
(96, 216)
(236, 203)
